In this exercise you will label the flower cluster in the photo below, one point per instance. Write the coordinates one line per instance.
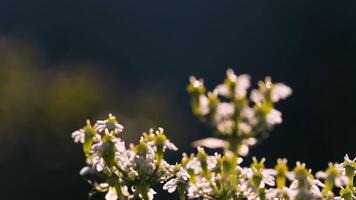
(236, 118)
(125, 173)
(222, 177)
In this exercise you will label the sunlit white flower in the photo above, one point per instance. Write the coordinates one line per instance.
(280, 91)
(182, 176)
(200, 189)
(111, 194)
(307, 190)
(222, 90)
(230, 74)
(224, 110)
(99, 163)
(256, 96)
(334, 174)
(266, 175)
(244, 128)
(195, 165)
(242, 84)
(245, 144)
(226, 126)
(274, 117)
(210, 143)
(167, 143)
(195, 82)
(348, 163)
(110, 123)
(204, 104)
(78, 136)
(171, 185)
(248, 114)
(126, 160)
(119, 145)
(212, 161)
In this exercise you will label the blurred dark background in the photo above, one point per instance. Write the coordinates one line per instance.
(62, 62)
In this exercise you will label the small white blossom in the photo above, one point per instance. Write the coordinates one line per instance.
(196, 83)
(249, 114)
(181, 177)
(204, 104)
(224, 110)
(274, 117)
(99, 163)
(226, 126)
(78, 136)
(244, 128)
(280, 91)
(222, 90)
(110, 123)
(256, 96)
(210, 142)
(246, 143)
(242, 84)
(111, 194)
(169, 145)
(201, 188)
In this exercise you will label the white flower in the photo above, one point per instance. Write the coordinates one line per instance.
(242, 84)
(244, 128)
(274, 117)
(195, 165)
(308, 190)
(224, 110)
(111, 194)
(181, 177)
(78, 136)
(339, 180)
(169, 145)
(230, 74)
(348, 162)
(249, 114)
(244, 148)
(267, 175)
(256, 96)
(222, 90)
(280, 91)
(196, 83)
(98, 163)
(171, 185)
(210, 143)
(226, 126)
(126, 160)
(146, 163)
(201, 188)
(119, 145)
(212, 161)
(110, 123)
(204, 104)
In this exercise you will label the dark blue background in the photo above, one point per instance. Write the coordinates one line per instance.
(310, 45)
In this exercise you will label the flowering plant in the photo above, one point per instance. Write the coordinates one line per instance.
(238, 121)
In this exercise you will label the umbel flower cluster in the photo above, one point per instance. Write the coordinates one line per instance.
(239, 120)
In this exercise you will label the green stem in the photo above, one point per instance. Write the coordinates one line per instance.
(181, 192)
(143, 190)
